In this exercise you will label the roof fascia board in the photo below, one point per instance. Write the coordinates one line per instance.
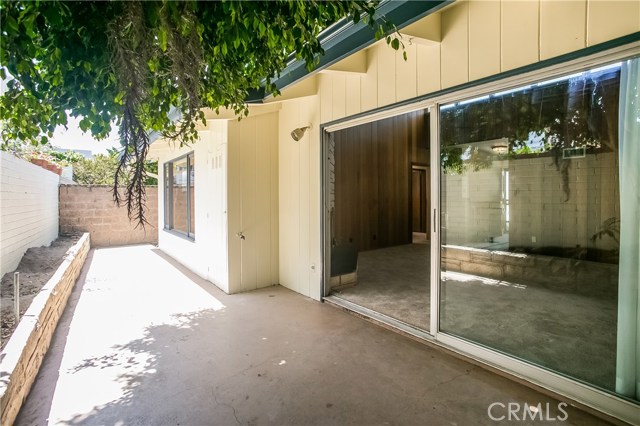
(346, 38)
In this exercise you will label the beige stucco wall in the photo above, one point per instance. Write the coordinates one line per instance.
(477, 39)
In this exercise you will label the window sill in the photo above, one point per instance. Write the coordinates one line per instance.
(179, 234)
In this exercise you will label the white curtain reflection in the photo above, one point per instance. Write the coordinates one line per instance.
(628, 350)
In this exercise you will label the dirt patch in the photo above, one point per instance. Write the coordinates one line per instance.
(36, 268)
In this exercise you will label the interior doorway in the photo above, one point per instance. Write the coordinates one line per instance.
(420, 203)
(377, 191)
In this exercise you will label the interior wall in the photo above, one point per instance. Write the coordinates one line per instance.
(372, 180)
(468, 51)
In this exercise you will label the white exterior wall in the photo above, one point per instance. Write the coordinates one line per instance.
(236, 190)
(28, 209)
(206, 255)
(300, 244)
(476, 39)
(253, 202)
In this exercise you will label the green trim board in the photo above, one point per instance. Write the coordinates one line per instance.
(617, 42)
(345, 38)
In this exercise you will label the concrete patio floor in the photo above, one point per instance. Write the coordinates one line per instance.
(144, 341)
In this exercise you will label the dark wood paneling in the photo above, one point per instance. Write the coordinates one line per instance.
(373, 180)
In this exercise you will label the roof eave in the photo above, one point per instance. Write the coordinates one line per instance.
(345, 38)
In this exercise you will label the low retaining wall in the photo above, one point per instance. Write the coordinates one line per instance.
(90, 208)
(22, 356)
(557, 273)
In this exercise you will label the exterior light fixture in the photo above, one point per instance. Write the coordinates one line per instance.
(298, 133)
(500, 148)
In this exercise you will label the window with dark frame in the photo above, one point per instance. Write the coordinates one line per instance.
(179, 205)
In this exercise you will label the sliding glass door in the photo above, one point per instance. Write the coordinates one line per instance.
(534, 257)
(378, 217)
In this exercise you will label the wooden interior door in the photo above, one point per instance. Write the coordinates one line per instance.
(420, 200)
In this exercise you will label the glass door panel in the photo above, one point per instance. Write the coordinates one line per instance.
(530, 223)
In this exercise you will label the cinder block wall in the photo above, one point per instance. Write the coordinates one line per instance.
(91, 209)
(540, 209)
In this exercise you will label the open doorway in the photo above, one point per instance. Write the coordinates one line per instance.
(378, 203)
(420, 204)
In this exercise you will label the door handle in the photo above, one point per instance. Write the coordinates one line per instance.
(240, 235)
(434, 220)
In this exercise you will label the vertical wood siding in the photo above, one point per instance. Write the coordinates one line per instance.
(478, 38)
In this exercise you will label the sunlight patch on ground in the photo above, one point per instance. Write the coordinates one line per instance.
(127, 292)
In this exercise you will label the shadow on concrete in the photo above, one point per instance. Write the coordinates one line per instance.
(159, 373)
(265, 357)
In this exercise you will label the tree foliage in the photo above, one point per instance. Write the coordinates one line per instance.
(129, 63)
(581, 111)
(101, 169)
(98, 170)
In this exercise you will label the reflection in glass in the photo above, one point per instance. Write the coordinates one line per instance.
(378, 202)
(167, 197)
(192, 199)
(180, 195)
(531, 223)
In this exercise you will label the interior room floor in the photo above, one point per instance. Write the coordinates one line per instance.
(394, 281)
(569, 333)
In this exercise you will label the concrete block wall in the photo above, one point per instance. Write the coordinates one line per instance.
(556, 273)
(541, 214)
(472, 205)
(28, 209)
(91, 209)
(541, 211)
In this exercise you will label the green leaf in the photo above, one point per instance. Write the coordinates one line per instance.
(28, 24)
(11, 23)
(162, 38)
(356, 16)
(84, 124)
